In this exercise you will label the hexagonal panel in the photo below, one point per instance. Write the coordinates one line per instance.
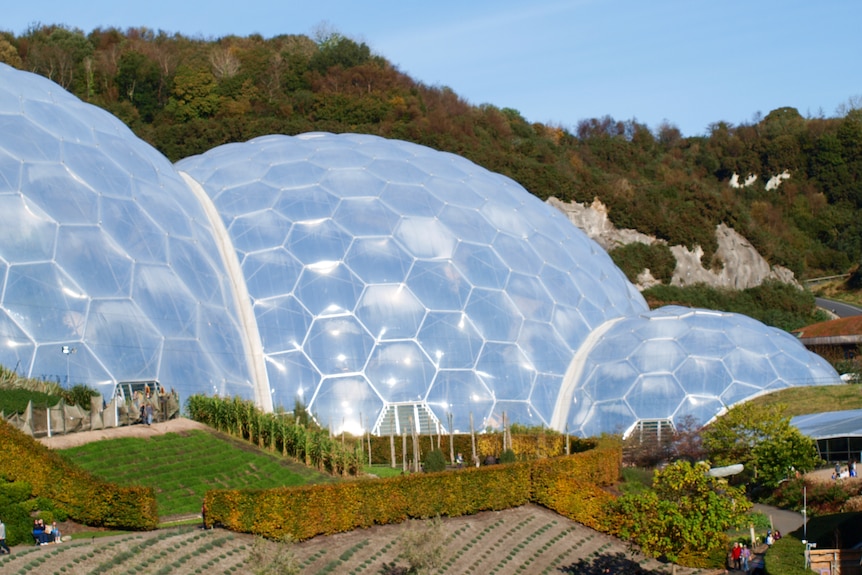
(390, 311)
(338, 345)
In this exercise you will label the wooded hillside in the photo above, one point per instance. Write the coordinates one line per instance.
(187, 95)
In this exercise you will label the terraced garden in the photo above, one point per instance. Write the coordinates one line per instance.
(526, 540)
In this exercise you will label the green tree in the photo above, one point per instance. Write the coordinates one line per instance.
(762, 439)
(194, 94)
(685, 514)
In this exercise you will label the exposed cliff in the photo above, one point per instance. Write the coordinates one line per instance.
(742, 266)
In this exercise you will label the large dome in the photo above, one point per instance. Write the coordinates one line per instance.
(384, 284)
(411, 281)
(105, 254)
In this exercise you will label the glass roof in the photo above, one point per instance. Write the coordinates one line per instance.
(358, 274)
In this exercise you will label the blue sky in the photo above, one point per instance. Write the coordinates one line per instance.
(690, 62)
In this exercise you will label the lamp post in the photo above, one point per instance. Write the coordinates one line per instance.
(68, 351)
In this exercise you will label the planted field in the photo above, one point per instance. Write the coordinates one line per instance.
(181, 467)
(526, 540)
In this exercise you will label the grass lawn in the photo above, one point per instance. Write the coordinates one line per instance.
(815, 399)
(182, 467)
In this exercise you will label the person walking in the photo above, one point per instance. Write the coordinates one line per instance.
(745, 555)
(4, 548)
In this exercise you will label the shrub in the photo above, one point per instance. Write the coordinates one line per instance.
(434, 461)
(508, 456)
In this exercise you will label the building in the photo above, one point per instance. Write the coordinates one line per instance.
(384, 284)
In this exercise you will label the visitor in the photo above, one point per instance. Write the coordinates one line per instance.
(769, 538)
(745, 555)
(56, 532)
(148, 409)
(4, 548)
(735, 556)
(204, 515)
(459, 460)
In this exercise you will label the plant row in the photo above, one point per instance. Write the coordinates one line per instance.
(77, 493)
(295, 436)
(570, 485)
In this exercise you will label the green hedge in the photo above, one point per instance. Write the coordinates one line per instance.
(77, 493)
(570, 485)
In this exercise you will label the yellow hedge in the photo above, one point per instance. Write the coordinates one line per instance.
(570, 485)
(85, 498)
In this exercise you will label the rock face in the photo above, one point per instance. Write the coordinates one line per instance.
(743, 266)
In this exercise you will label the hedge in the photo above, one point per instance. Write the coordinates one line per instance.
(79, 494)
(570, 485)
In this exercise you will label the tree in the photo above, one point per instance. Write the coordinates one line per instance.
(762, 439)
(685, 514)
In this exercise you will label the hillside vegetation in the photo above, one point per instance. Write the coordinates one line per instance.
(186, 95)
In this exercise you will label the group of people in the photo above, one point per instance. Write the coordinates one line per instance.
(844, 473)
(43, 535)
(740, 557)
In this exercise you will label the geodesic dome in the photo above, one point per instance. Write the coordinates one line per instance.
(108, 266)
(675, 362)
(391, 281)
(386, 285)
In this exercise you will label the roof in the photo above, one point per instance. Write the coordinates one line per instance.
(837, 331)
(830, 424)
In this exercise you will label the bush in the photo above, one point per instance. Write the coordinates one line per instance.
(434, 461)
(508, 456)
(634, 258)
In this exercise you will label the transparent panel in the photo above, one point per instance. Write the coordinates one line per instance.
(282, 322)
(454, 193)
(390, 311)
(165, 300)
(255, 231)
(338, 345)
(26, 232)
(609, 380)
(346, 404)
(398, 171)
(494, 315)
(450, 339)
(547, 351)
(292, 175)
(400, 371)
(655, 396)
(608, 417)
(270, 273)
(703, 376)
(481, 265)
(16, 349)
(378, 260)
(506, 371)
(62, 197)
(701, 409)
(291, 378)
(545, 394)
(530, 297)
(439, 285)
(306, 204)
(411, 200)
(461, 393)
(468, 225)
(328, 290)
(119, 333)
(657, 355)
(98, 264)
(352, 183)
(518, 254)
(426, 238)
(141, 237)
(47, 303)
(316, 242)
(365, 217)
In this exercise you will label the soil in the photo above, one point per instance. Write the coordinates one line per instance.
(527, 539)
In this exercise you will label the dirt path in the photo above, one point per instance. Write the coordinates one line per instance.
(177, 425)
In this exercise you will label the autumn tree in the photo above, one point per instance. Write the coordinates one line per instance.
(684, 516)
(762, 439)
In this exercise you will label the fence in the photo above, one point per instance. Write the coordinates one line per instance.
(62, 418)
